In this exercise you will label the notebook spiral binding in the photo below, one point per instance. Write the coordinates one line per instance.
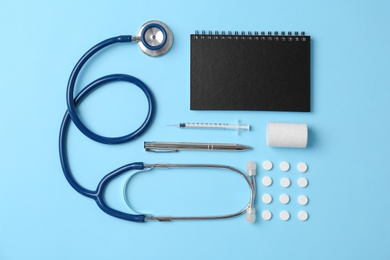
(256, 36)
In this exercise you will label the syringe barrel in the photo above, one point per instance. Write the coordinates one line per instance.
(214, 126)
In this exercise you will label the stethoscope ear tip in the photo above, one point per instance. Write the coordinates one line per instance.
(251, 168)
(155, 38)
(250, 215)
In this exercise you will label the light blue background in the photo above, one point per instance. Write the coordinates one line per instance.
(42, 217)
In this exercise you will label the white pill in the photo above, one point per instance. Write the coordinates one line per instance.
(302, 182)
(302, 167)
(267, 165)
(303, 200)
(267, 198)
(284, 166)
(302, 215)
(284, 215)
(285, 182)
(267, 181)
(266, 215)
(284, 198)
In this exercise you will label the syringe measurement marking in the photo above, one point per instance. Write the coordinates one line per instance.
(213, 126)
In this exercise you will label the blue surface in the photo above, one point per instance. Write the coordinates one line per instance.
(42, 217)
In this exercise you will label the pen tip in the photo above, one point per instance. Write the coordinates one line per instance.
(245, 147)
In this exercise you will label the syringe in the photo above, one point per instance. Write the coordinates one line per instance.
(213, 126)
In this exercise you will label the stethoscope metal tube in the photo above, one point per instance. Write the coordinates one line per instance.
(250, 180)
(154, 39)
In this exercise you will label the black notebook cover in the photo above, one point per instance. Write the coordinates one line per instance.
(250, 72)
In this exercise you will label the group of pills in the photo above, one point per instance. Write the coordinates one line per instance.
(285, 182)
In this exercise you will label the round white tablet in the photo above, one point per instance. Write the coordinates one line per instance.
(266, 215)
(285, 182)
(284, 166)
(303, 200)
(267, 198)
(284, 215)
(302, 167)
(284, 198)
(302, 215)
(267, 165)
(302, 182)
(267, 181)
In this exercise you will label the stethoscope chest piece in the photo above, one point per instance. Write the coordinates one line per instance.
(155, 38)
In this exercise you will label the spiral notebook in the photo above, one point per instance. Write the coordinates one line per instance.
(259, 71)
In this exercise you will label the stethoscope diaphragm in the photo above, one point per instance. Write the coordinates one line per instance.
(155, 38)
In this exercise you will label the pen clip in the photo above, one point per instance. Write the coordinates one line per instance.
(153, 150)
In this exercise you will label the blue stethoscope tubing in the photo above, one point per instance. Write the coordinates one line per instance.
(99, 82)
(154, 49)
(72, 116)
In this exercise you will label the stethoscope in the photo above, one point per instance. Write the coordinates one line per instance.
(155, 39)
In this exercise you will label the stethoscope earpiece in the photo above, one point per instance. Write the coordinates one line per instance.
(155, 38)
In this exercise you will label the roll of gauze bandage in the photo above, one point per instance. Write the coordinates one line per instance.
(287, 135)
